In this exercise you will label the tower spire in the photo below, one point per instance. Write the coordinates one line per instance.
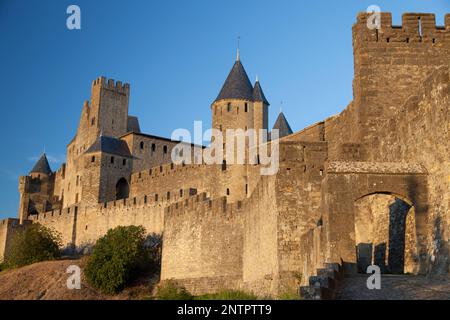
(238, 56)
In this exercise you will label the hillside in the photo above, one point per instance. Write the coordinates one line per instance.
(47, 281)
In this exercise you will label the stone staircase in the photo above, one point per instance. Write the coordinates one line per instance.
(324, 285)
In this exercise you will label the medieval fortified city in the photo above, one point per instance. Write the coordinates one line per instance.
(349, 207)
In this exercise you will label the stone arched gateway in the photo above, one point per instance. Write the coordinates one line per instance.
(346, 182)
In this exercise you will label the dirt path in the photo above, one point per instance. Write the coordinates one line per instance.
(395, 287)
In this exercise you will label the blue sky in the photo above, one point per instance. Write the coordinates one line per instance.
(175, 55)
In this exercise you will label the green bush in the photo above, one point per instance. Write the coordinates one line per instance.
(117, 258)
(32, 244)
(228, 295)
(170, 290)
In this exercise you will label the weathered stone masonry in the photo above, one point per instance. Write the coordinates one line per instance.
(369, 185)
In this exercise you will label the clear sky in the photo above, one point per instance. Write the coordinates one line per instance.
(176, 56)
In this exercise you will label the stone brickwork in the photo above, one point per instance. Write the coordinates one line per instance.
(367, 185)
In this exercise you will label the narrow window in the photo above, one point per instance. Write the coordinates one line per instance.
(92, 121)
(156, 197)
(153, 147)
(246, 107)
(246, 189)
(124, 162)
(145, 199)
(181, 193)
(141, 145)
(228, 107)
(420, 28)
(78, 179)
(168, 195)
(165, 149)
(139, 175)
(93, 159)
(228, 192)
(112, 159)
(224, 165)
(76, 198)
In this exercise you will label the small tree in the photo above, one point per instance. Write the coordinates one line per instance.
(32, 244)
(117, 258)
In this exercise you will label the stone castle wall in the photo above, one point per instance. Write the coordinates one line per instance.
(422, 134)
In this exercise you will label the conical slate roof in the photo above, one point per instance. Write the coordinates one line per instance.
(237, 85)
(258, 94)
(282, 125)
(110, 145)
(42, 166)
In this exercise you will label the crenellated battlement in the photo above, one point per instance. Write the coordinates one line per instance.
(202, 204)
(55, 214)
(163, 170)
(111, 84)
(415, 28)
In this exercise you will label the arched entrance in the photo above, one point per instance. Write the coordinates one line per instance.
(385, 234)
(346, 184)
(122, 189)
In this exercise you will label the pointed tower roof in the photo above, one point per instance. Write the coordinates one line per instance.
(258, 94)
(42, 166)
(282, 125)
(237, 85)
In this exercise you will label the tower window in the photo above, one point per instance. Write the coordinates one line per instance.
(224, 165)
(165, 149)
(228, 107)
(93, 159)
(246, 107)
(156, 197)
(93, 121)
(246, 189)
(141, 145)
(228, 192)
(153, 147)
(145, 199)
(124, 162)
(181, 192)
(112, 159)
(168, 195)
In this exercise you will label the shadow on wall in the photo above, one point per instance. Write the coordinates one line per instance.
(384, 243)
(439, 254)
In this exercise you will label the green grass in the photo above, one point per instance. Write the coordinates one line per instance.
(170, 290)
(228, 295)
(289, 296)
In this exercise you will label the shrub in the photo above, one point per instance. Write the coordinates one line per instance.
(32, 244)
(228, 295)
(117, 258)
(170, 290)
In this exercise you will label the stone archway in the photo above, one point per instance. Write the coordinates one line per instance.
(122, 189)
(347, 182)
(385, 234)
